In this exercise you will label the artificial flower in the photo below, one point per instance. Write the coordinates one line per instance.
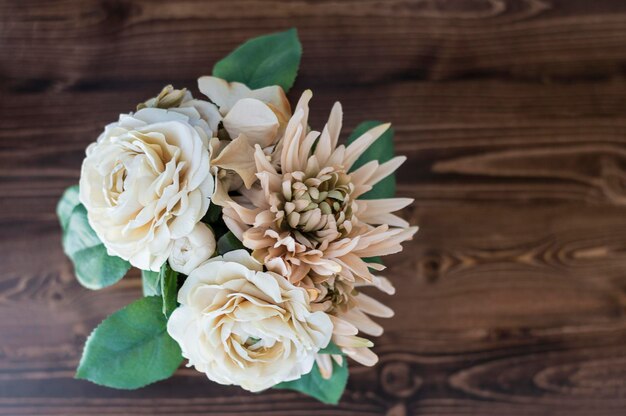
(241, 325)
(191, 251)
(203, 115)
(260, 114)
(146, 183)
(227, 94)
(304, 220)
(250, 117)
(288, 309)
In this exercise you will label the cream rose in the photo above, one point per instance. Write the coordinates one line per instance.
(191, 251)
(203, 115)
(146, 183)
(243, 326)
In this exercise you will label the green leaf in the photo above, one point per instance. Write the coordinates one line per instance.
(313, 384)
(93, 266)
(169, 289)
(131, 348)
(331, 348)
(263, 61)
(228, 242)
(213, 214)
(382, 151)
(66, 205)
(376, 259)
(150, 283)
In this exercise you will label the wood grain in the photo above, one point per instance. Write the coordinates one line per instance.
(511, 299)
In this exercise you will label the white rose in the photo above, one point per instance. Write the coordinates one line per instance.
(191, 251)
(145, 183)
(243, 326)
(203, 115)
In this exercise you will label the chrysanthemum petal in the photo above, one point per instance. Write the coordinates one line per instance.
(377, 211)
(343, 327)
(360, 145)
(373, 307)
(325, 365)
(363, 322)
(386, 169)
(362, 355)
(330, 135)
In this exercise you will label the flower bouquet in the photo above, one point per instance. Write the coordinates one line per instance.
(254, 233)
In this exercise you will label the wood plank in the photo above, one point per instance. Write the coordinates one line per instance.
(499, 304)
(77, 42)
(466, 140)
(511, 299)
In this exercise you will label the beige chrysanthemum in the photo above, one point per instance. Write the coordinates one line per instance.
(304, 220)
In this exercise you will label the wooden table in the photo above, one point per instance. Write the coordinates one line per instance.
(512, 114)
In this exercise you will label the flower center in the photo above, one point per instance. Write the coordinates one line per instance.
(251, 342)
(337, 293)
(316, 207)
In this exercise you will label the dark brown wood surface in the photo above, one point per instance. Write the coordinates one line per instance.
(511, 299)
